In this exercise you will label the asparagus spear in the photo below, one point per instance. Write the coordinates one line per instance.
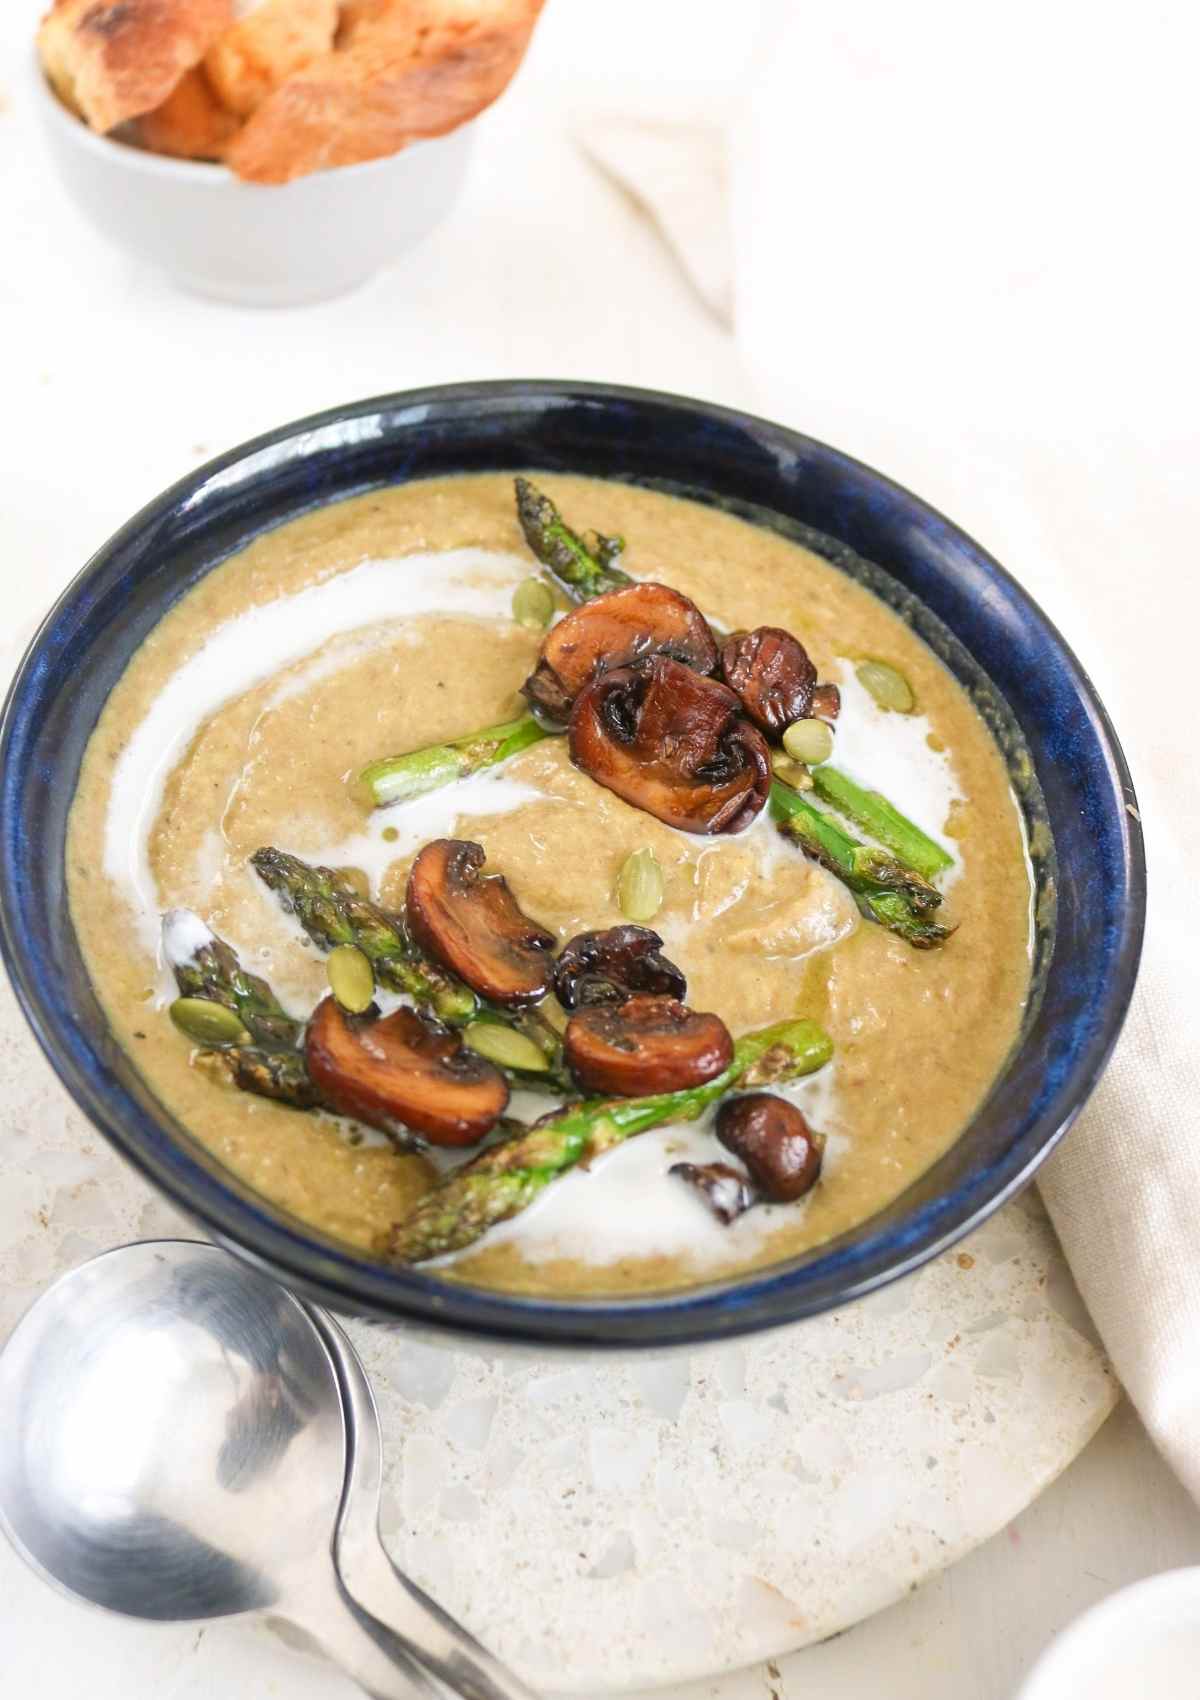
(207, 968)
(397, 779)
(504, 1179)
(282, 1075)
(890, 889)
(331, 912)
(894, 895)
(584, 567)
(885, 890)
(873, 812)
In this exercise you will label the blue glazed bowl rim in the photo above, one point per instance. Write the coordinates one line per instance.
(831, 1275)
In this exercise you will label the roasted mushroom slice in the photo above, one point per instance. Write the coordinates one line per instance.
(473, 925)
(674, 743)
(771, 672)
(723, 1188)
(610, 966)
(774, 1141)
(406, 1071)
(614, 630)
(826, 702)
(647, 1044)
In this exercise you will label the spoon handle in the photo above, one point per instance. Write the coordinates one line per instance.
(366, 1649)
(441, 1644)
(432, 1636)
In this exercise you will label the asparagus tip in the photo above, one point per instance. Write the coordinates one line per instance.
(184, 936)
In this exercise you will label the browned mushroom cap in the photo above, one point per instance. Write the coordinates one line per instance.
(609, 966)
(473, 926)
(826, 702)
(772, 1138)
(614, 630)
(724, 1189)
(403, 1070)
(673, 743)
(646, 1044)
(771, 672)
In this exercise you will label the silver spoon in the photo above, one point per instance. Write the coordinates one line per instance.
(174, 1446)
(431, 1634)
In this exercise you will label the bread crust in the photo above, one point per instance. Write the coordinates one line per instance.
(266, 46)
(190, 124)
(112, 60)
(403, 70)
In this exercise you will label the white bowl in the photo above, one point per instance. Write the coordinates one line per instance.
(257, 244)
(1144, 1640)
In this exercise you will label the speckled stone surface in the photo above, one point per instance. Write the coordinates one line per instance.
(619, 1522)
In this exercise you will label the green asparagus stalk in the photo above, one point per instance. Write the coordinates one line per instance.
(584, 567)
(332, 912)
(503, 1180)
(401, 777)
(873, 812)
(890, 885)
(282, 1075)
(886, 892)
(397, 779)
(207, 968)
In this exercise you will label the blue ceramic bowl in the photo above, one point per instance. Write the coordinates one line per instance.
(1066, 765)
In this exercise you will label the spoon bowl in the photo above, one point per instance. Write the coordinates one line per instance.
(175, 1446)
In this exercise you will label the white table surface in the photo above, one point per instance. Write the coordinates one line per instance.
(114, 385)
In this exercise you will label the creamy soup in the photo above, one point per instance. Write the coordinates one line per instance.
(383, 624)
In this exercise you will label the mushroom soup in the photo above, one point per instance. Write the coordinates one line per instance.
(688, 958)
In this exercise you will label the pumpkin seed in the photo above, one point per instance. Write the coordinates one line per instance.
(809, 741)
(793, 773)
(208, 1023)
(640, 886)
(890, 688)
(505, 1047)
(351, 978)
(533, 604)
(553, 1013)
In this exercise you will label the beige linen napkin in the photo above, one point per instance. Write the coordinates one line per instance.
(959, 249)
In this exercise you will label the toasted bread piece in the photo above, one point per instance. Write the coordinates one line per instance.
(266, 46)
(111, 60)
(399, 18)
(190, 124)
(402, 70)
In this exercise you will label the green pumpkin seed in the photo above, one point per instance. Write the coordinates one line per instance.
(208, 1023)
(890, 688)
(640, 886)
(533, 604)
(505, 1047)
(793, 773)
(809, 741)
(553, 1013)
(351, 978)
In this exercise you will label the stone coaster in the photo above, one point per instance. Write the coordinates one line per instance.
(616, 1522)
